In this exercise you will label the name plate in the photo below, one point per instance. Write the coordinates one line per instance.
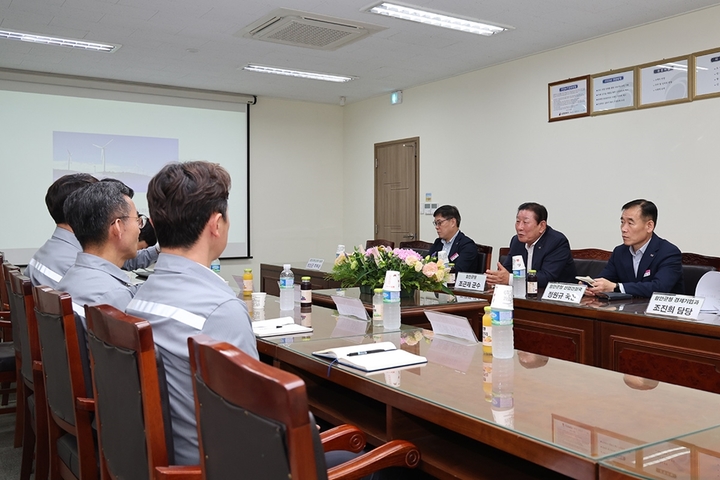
(451, 325)
(314, 264)
(682, 306)
(564, 292)
(470, 281)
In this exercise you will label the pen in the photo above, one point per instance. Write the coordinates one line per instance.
(354, 354)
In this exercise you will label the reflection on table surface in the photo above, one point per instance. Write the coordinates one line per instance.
(585, 410)
(695, 456)
(326, 322)
(419, 299)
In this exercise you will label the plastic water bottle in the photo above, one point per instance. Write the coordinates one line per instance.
(519, 286)
(502, 333)
(519, 283)
(215, 266)
(391, 310)
(378, 308)
(287, 288)
(503, 403)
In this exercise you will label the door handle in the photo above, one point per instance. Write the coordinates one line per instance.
(410, 236)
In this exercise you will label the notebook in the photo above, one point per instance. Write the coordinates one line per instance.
(372, 356)
(278, 326)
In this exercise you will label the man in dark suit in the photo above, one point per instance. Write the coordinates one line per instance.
(460, 248)
(644, 263)
(543, 249)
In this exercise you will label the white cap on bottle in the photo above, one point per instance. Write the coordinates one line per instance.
(286, 266)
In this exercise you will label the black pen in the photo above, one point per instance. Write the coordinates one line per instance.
(354, 354)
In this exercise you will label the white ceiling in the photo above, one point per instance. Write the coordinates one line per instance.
(199, 43)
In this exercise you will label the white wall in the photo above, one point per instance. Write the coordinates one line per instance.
(296, 179)
(486, 146)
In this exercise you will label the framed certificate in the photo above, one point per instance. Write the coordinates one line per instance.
(569, 99)
(665, 83)
(613, 91)
(707, 73)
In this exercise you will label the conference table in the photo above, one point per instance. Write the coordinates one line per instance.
(620, 336)
(412, 309)
(688, 457)
(566, 418)
(615, 335)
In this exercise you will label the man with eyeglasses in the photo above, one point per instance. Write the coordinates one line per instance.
(57, 255)
(460, 249)
(107, 224)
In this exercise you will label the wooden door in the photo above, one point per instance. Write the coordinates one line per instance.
(396, 190)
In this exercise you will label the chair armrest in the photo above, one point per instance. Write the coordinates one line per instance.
(178, 472)
(85, 404)
(344, 437)
(396, 453)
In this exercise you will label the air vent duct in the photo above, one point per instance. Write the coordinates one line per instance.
(302, 29)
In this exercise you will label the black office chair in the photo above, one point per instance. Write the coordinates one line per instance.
(253, 418)
(72, 443)
(133, 420)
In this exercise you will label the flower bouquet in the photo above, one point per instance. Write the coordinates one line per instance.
(366, 268)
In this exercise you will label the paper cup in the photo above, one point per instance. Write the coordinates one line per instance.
(502, 298)
(258, 300)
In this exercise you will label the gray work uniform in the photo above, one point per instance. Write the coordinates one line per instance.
(182, 299)
(54, 259)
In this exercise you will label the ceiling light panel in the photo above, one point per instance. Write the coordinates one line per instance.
(299, 73)
(59, 42)
(414, 14)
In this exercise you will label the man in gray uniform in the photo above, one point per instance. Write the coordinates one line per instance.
(107, 225)
(57, 255)
(183, 298)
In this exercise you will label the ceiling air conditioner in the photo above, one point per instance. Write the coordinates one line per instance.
(306, 30)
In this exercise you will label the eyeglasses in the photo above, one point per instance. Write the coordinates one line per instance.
(141, 220)
(437, 223)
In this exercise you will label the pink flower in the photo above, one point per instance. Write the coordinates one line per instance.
(430, 269)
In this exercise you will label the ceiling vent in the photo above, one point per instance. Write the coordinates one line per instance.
(302, 29)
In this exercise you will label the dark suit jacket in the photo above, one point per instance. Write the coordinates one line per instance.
(552, 258)
(466, 250)
(660, 269)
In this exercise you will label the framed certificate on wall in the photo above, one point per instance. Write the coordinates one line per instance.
(569, 99)
(613, 91)
(665, 83)
(707, 73)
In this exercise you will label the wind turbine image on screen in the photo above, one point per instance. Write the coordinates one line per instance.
(102, 153)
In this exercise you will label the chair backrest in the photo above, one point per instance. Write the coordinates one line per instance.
(423, 248)
(236, 393)
(379, 241)
(591, 254)
(692, 275)
(697, 259)
(65, 363)
(5, 270)
(64, 379)
(503, 253)
(22, 315)
(4, 304)
(133, 426)
(484, 257)
(5, 328)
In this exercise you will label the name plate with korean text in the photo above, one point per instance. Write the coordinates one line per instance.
(564, 292)
(682, 306)
(314, 264)
(470, 281)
